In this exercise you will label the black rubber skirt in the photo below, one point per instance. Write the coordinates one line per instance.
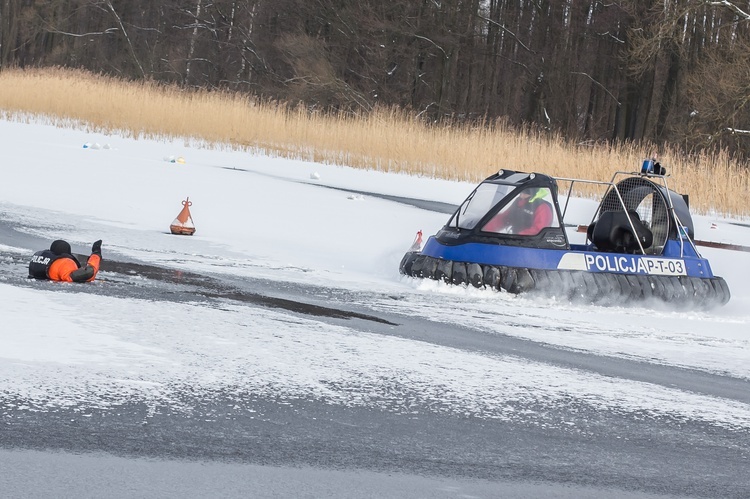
(573, 285)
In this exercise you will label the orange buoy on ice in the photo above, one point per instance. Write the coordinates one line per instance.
(183, 224)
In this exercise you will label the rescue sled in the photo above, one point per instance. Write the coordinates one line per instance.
(639, 245)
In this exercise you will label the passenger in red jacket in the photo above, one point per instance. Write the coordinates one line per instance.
(58, 263)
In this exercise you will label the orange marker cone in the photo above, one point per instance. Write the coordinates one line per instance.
(183, 224)
(417, 244)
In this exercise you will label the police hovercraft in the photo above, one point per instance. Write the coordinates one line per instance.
(510, 234)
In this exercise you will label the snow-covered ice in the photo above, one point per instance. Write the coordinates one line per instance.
(294, 221)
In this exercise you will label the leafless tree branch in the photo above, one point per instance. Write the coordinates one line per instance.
(125, 33)
(731, 6)
(597, 84)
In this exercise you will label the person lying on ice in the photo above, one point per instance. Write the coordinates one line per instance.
(58, 263)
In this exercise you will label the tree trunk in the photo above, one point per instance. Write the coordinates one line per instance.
(191, 49)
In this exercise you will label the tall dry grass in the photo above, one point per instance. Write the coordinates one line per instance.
(387, 139)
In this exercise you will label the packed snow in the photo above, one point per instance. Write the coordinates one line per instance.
(310, 224)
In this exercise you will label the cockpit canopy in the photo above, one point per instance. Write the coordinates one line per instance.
(509, 202)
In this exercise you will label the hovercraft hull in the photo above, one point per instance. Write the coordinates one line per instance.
(572, 274)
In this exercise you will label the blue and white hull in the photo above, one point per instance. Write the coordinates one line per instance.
(572, 274)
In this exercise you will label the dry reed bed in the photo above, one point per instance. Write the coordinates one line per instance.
(386, 139)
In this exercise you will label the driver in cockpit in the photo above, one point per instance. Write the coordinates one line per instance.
(526, 215)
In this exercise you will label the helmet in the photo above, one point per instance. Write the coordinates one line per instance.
(60, 247)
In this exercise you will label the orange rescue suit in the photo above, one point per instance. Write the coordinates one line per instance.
(66, 269)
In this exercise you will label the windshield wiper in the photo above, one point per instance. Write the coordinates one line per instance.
(464, 206)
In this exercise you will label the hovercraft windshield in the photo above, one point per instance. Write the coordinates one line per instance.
(485, 197)
(519, 209)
